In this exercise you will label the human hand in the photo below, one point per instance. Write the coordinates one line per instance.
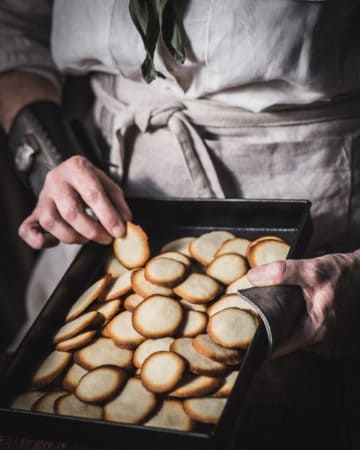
(60, 213)
(331, 288)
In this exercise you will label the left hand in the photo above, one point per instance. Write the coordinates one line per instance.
(331, 288)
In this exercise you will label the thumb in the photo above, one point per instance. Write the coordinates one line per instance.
(278, 272)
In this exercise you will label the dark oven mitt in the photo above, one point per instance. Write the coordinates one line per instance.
(279, 307)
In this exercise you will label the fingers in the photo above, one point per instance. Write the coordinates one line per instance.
(71, 210)
(278, 272)
(90, 186)
(32, 233)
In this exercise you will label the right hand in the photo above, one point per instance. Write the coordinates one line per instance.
(60, 214)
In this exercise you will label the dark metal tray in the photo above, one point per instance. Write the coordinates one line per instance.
(163, 220)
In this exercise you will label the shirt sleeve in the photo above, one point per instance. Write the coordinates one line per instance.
(25, 27)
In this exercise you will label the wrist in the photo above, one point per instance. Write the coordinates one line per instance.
(40, 139)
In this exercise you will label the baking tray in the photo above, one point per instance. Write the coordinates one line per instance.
(163, 220)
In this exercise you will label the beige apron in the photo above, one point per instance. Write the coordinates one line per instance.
(166, 146)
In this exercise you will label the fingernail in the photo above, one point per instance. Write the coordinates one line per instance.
(118, 231)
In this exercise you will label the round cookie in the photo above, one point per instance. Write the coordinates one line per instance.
(207, 347)
(75, 342)
(101, 384)
(229, 301)
(88, 320)
(162, 371)
(122, 331)
(194, 323)
(196, 386)
(171, 415)
(236, 245)
(198, 288)
(267, 249)
(52, 367)
(132, 301)
(70, 405)
(132, 250)
(227, 268)
(205, 409)
(165, 271)
(233, 327)
(119, 286)
(144, 288)
(149, 347)
(180, 245)
(177, 256)
(132, 405)
(158, 316)
(204, 248)
(72, 377)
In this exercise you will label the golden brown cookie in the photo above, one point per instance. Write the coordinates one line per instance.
(162, 371)
(75, 342)
(171, 415)
(157, 316)
(233, 327)
(149, 347)
(102, 352)
(70, 405)
(90, 320)
(119, 286)
(193, 323)
(88, 297)
(267, 249)
(205, 409)
(132, 250)
(229, 301)
(239, 284)
(227, 268)
(198, 288)
(51, 368)
(180, 245)
(204, 248)
(196, 386)
(144, 288)
(133, 405)
(122, 331)
(101, 384)
(207, 347)
(132, 301)
(165, 271)
(72, 377)
(236, 245)
(198, 363)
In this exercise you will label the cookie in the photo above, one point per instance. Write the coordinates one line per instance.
(132, 250)
(144, 288)
(207, 347)
(120, 285)
(177, 257)
(198, 363)
(233, 327)
(204, 248)
(266, 250)
(205, 409)
(122, 331)
(101, 384)
(113, 266)
(162, 371)
(171, 415)
(26, 400)
(193, 323)
(75, 342)
(132, 301)
(72, 377)
(51, 368)
(149, 347)
(239, 284)
(236, 245)
(157, 316)
(102, 352)
(227, 387)
(165, 271)
(229, 301)
(89, 320)
(70, 405)
(108, 309)
(196, 386)
(45, 404)
(193, 306)
(227, 268)
(198, 288)
(132, 405)
(87, 297)
(180, 245)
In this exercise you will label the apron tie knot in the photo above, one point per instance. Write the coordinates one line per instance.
(149, 117)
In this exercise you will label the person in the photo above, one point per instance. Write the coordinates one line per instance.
(264, 103)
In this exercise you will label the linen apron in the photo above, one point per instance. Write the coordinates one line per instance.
(164, 146)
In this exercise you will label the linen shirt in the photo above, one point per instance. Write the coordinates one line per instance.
(254, 54)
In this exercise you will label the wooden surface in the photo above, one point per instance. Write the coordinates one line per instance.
(302, 401)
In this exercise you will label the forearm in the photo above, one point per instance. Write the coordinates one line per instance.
(20, 88)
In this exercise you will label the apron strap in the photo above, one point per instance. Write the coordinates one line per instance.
(149, 117)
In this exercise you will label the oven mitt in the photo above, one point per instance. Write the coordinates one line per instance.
(279, 307)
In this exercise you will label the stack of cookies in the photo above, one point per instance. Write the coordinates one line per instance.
(158, 340)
